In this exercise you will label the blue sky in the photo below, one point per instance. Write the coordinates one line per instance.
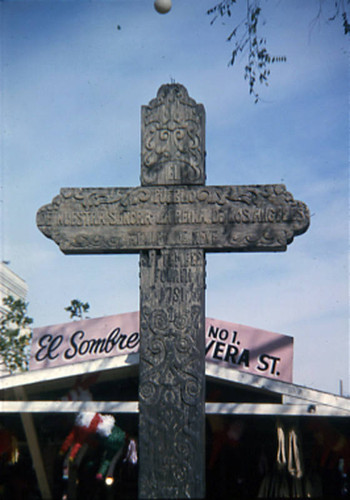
(72, 88)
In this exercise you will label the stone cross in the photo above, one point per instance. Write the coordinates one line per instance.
(172, 219)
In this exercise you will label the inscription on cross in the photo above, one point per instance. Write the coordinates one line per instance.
(172, 219)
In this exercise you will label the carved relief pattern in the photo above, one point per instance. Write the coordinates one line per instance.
(215, 217)
(172, 227)
(172, 146)
(172, 374)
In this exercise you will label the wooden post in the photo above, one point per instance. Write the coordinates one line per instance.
(34, 447)
(172, 219)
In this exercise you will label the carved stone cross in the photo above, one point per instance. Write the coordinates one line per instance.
(172, 220)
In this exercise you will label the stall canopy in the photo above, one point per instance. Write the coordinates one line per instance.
(30, 392)
(93, 366)
(110, 385)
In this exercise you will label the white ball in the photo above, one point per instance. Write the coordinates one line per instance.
(162, 6)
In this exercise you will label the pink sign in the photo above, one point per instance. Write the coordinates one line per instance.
(229, 344)
(84, 340)
(249, 349)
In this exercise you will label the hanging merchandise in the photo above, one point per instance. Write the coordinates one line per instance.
(85, 427)
(109, 477)
(281, 447)
(128, 470)
(294, 455)
(131, 454)
(275, 484)
(286, 479)
(111, 446)
(295, 464)
(112, 439)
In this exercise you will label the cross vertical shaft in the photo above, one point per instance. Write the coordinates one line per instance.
(172, 313)
(172, 374)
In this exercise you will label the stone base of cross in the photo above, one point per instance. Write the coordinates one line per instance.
(172, 219)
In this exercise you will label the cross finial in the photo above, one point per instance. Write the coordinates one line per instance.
(172, 139)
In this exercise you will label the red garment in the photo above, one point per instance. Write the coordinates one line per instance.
(79, 435)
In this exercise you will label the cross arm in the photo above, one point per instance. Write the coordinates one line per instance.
(214, 218)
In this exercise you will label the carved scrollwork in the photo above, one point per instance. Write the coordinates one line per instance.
(181, 320)
(158, 322)
(156, 352)
(149, 393)
(183, 344)
(192, 391)
(172, 149)
(172, 320)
